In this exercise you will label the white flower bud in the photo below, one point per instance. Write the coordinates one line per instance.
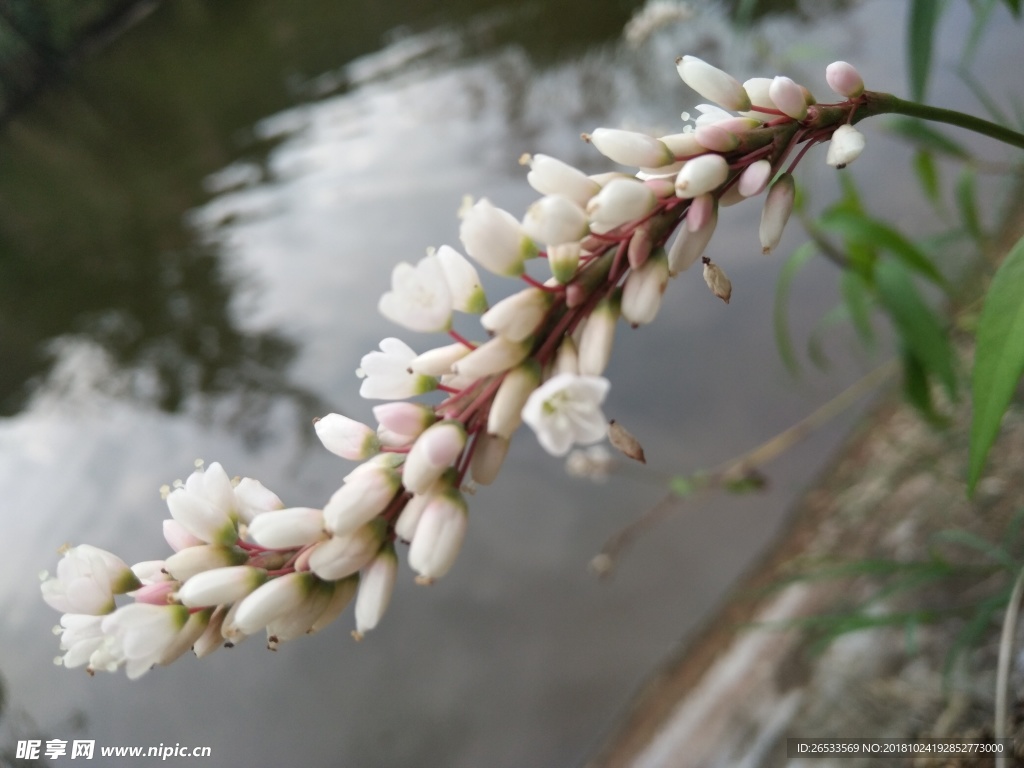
(341, 556)
(620, 201)
(287, 528)
(299, 620)
(439, 536)
(376, 585)
(563, 259)
(555, 219)
(438, 361)
(347, 437)
(553, 177)
(712, 83)
(689, 245)
(643, 289)
(717, 280)
(755, 178)
(844, 79)
(683, 145)
(758, 88)
(846, 145)
(704, 173)
(504, 417)
(386, 374)
(342, 593)
(630, 147)
(271, 601)
(432, 453)
(188, 562)
(495, 239)
(463, 282)
(598, 337)
(178, 537)
(517, 316)
(788, 97)
(221, 585)
(364, 495)
(777, 208)
(567, 359)
(497, 355)
(254, 498)
(702, 207)
(488, 456)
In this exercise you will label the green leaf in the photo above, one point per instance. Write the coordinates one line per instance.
(816, 341)
(979, 544)
(999, 357)
(916, 389)
(967, 204)
(982, 14)
(1014, 6)
(924, 16)
(920, 329)
(857, 296)
(927, 174)
(783, 340)
(862, 229)
(926, 137)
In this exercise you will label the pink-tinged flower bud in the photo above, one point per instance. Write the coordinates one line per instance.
(788, 97)
(846, 145)
(553, 177)
(495, 239)
(777, 208)
(642, 291)
(755, 178)
(712, 83)
(554, 219)
(844, 79)
(439, 536)
(563, 259)
(517, 316)
(394, 441)
(342, 593)
(157, 593)
(347, 437)
(376, 585)
(598, 337)
(683, 145)
(640, 245)
(364, 495)
(758, 88)
(269, 602)
(341, 556)
(288, 528)
(467, 293)
(438, 361)
(717, 280)
(404, 418)
(253, 498)
(177, 537)
(488, 456)
(716, 138)
(497, 355)
(704, 173)
(504, 417)
(620, 201)
(630, 147)
(188, 562)
(221, 585)
(432, 453)
(700, 212)
(689, 246)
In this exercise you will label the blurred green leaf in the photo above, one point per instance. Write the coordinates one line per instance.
(999, 357)
(857, 296)
(924, 16)
(919, 327)
(927, 174)
(860, 228)
(973, 541)
(926, 137)
(916, 389)
(982, 14)
(816, 341)
(967, 205)
(783, 340)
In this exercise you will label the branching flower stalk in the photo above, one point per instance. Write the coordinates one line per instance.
(244, 564)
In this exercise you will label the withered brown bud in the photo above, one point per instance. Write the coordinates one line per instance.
(623, 441)
(717, 280)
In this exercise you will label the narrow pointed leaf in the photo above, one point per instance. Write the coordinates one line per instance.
(783, 340)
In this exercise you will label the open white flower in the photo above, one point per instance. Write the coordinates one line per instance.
(87, 580)
(419, 298)
(566, 409)
(386, 374)
(206, 505)
(144, 632)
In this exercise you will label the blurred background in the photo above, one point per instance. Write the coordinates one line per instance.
(198, 213)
